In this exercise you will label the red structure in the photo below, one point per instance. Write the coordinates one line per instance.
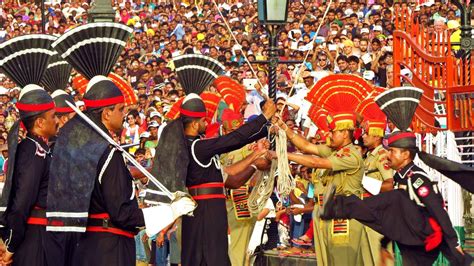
(447, 81)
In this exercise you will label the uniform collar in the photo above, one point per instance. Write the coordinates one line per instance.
(345, 146)
(375, 151)
(405, 170)
(40, 140)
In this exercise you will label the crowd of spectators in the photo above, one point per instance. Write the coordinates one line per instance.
(355, 37)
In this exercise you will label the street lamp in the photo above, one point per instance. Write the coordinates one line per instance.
(102, 11)
(273, 15)
(271, 12)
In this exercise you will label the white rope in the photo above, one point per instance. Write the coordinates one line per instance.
(263, 189)
(265, 184)
(285, 183)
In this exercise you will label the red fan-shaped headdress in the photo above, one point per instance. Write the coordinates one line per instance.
(375, 121)
(231, 91)
(340, 94)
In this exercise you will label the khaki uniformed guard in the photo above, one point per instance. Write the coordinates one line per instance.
(343, 167)
(376, 167)
(239, 217)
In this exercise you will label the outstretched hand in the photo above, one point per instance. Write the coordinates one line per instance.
(269, 109)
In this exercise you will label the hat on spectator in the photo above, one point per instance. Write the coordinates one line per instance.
(348, 43)
(407, 73)
(332, 47)
(364, 30)
(145, 134)
(159, 87)
(153, 124)
(368, 75)
(378, 28)
(453, 24)
(155, 114)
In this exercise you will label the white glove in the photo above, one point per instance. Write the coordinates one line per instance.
(159, 217)
(182, 204)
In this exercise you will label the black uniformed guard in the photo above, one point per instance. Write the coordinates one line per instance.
(205, 234)
(25, 212)
(61, 245)
(24, 59)
(100, 198)
(413, 214)
(63, 111)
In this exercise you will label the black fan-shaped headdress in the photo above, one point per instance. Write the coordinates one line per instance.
(24, 59)
(57, 74)
(196, 72)
(93, 49)
(399, 104)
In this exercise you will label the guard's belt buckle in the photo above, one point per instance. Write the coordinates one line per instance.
(105, 223)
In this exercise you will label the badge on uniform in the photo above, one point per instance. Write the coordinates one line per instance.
(418, 183)
(423, 191)
(340, 231)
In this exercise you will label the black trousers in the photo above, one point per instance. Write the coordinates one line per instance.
(395, 216)
(60, 247)
(417, 256)
(31, 251)
(204, 235)
(392, 214)
(97, 248)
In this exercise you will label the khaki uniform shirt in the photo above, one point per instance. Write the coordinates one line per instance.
(347, 169)
(376, 164)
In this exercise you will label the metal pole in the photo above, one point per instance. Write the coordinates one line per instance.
(273, 56)
(43, 22)
(272, 74)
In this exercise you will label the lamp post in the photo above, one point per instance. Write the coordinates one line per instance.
(102, 11)
(273, 14)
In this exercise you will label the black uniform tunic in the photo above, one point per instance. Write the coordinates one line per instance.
(29, 190)
(114, 194)
(403, 216)
(204, 236)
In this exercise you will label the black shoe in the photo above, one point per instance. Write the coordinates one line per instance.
(327, 212)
